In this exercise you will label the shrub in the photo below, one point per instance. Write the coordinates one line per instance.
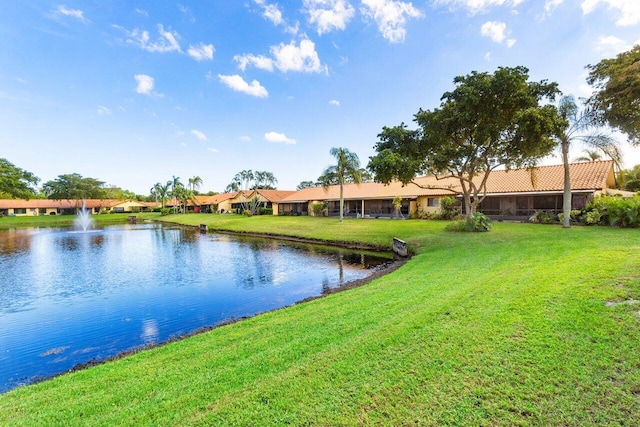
(288, 213)
(317, 208)
(617, 211)
(247, 213)
(265, 211)
(593, 217)
(165, 211)
(575, 217)
(449, 207)
(479, 222)
(544, 217)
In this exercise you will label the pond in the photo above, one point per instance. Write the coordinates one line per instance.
(70, 298)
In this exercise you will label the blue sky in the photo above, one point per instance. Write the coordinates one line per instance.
(135, 92)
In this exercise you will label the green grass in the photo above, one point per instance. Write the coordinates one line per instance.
(506, 328)
(67, 220)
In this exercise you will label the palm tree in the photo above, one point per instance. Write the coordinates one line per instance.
(576, 122)
(175, 185)
(154, 191)
(195, 183)
(589, 156)
(265, 180)
(162, 191)
(346, 170)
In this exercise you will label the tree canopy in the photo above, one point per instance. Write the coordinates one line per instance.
(632, 179)
(617, 98)
(16, 182)
(487, 121)
(74, 187)
(306, 184)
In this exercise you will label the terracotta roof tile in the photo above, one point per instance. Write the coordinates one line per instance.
(584, 176)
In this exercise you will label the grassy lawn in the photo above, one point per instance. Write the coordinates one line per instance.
(67, 220)
(509, 327)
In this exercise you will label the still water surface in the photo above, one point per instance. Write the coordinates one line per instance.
(68, 297)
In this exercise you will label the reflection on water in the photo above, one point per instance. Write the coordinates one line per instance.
(68, 298)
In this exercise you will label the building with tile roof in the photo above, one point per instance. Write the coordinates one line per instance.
(512, 193)
(35, 207)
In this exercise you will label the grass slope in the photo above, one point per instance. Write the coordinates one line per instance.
(502, 328)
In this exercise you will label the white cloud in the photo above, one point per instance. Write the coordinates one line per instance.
(334, 102)
(629, 10)
(329, 15)
(142, 12)
(167, 42)
(213, 150)
(286, 57)
(104, 111)
(245, 138)
(612, 45)
(145, 84)
(187, 12)
(260, 61)
(478, 6)
(550, 5)
(487, 56)
(199, 134)
(238, 84)
(278, 138)
(497, 31)
(201, 52)
(390, 16)
(270, 12)
(303, 58)
(72, 13)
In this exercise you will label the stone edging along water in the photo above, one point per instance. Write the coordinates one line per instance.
(389, 267)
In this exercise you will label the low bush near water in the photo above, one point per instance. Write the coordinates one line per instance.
(479, 222)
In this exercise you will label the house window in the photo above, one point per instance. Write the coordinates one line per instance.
(20, 211)
(433, 202)
(490, 206)
(547, 202)
(578, 202)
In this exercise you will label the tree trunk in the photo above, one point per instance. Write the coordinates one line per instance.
(469, 208)
(341, 202)
(566, 198)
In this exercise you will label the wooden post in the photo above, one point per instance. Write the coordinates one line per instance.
(203, 228)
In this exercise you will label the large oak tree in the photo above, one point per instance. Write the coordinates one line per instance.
(74, 187)
(617, 98)
(487, 121)
(16, 182)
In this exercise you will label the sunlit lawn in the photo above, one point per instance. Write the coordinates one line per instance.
(509, 327)
(67, 220)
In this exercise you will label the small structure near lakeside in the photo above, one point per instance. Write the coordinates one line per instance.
(400, 247)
